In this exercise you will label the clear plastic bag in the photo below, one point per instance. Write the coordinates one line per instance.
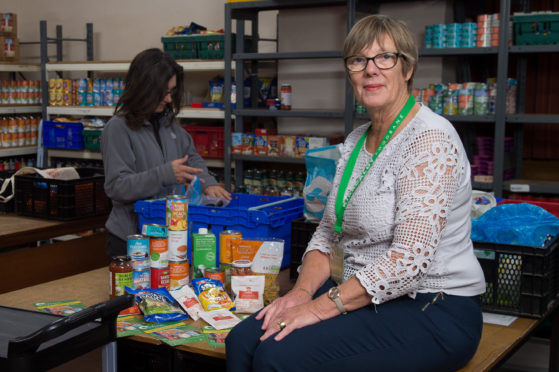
(321, 167)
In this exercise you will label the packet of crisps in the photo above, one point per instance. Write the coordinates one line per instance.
(157, 304)
(211, 294)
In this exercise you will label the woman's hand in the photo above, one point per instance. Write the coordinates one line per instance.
(217, 192)
(271, 312)
(291, 318)
(184, 173)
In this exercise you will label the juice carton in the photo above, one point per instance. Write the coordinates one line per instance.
(203, 251)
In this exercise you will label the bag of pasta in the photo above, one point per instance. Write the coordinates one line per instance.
(267, 262)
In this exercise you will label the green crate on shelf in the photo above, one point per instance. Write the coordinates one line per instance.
(180, 46)
(207, 46)
(536, 28)
(92, 139)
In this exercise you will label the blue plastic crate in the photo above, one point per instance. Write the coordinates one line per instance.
(63, 135)
(255, 216)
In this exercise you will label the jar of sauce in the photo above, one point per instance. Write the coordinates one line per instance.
(120, 270)
(285, 97)
(241, 267)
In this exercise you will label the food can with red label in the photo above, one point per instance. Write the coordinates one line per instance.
(159, 252)
(177, 244)
(216, 273)
(177, 212)
(160, 277)
(178, 273)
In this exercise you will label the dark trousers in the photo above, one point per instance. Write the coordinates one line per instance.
(115, 245)
(395, 336)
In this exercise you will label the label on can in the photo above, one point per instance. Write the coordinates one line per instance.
(225, 245)
(177, 245)
(137, 247)
(177, 212)
(159, 252)
(155, 230)
(160, 277)
(141, 278)
(178, 273)
(216, 273)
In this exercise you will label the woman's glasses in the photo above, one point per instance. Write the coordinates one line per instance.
(384, 61)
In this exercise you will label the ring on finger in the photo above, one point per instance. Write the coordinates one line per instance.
(282, 324)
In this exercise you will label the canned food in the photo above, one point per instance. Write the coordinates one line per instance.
(154, 230)
(176, 212)
(178, 274)
(216, 273)
(141, 278)
(137, 247)
(225, 245)
(159, 253)
(177, 243)
(160, 277)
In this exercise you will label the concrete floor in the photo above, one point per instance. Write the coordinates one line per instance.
(533, 356)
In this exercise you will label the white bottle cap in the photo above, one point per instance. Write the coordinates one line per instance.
(202, 230)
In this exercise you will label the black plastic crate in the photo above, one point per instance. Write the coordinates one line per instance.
(301, 234)
(7, 207)
(520, 280)
(62, 199)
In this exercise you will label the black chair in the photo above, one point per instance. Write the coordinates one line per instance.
(35, 341)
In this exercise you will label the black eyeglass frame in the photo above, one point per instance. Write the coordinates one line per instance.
(397, 54)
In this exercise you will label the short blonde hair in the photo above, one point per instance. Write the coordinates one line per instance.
(374, 28)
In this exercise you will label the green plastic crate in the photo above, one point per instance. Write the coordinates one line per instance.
(536, 28)
(180, 46)
(208, 46)
(92, 139)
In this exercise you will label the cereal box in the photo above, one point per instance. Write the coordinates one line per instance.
(301, 146)
(8, 24)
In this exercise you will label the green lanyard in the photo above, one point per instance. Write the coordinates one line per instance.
(342, 203)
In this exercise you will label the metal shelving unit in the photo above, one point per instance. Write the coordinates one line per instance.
(13, 67)
(243, 12)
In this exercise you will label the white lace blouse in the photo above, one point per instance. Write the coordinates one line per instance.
(407, 227)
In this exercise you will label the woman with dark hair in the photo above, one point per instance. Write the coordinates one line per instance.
(146, 153)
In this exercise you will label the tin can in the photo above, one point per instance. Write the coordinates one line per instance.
(216, 273)
(154, 230)
(141, 278)
(178, 273)
(177, 212)
(137, 247)
(177, 245)
(160, 277)
(285, 96)
(159, 252)
(225, 244)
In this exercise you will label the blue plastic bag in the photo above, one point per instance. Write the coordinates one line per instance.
(519, 224)
(321, 167)
(194, 192)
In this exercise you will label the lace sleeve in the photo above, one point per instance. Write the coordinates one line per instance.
(426, 184)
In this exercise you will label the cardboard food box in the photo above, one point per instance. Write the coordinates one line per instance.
(9, 48)
(8, 24)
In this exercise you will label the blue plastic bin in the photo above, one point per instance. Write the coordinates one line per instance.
(63, 135)
(255, 216)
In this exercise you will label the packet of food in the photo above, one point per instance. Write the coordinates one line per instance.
(249, 292)
(188, 300)
(157, 304)
(267, 262)
(220, 318)
(211, 294)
